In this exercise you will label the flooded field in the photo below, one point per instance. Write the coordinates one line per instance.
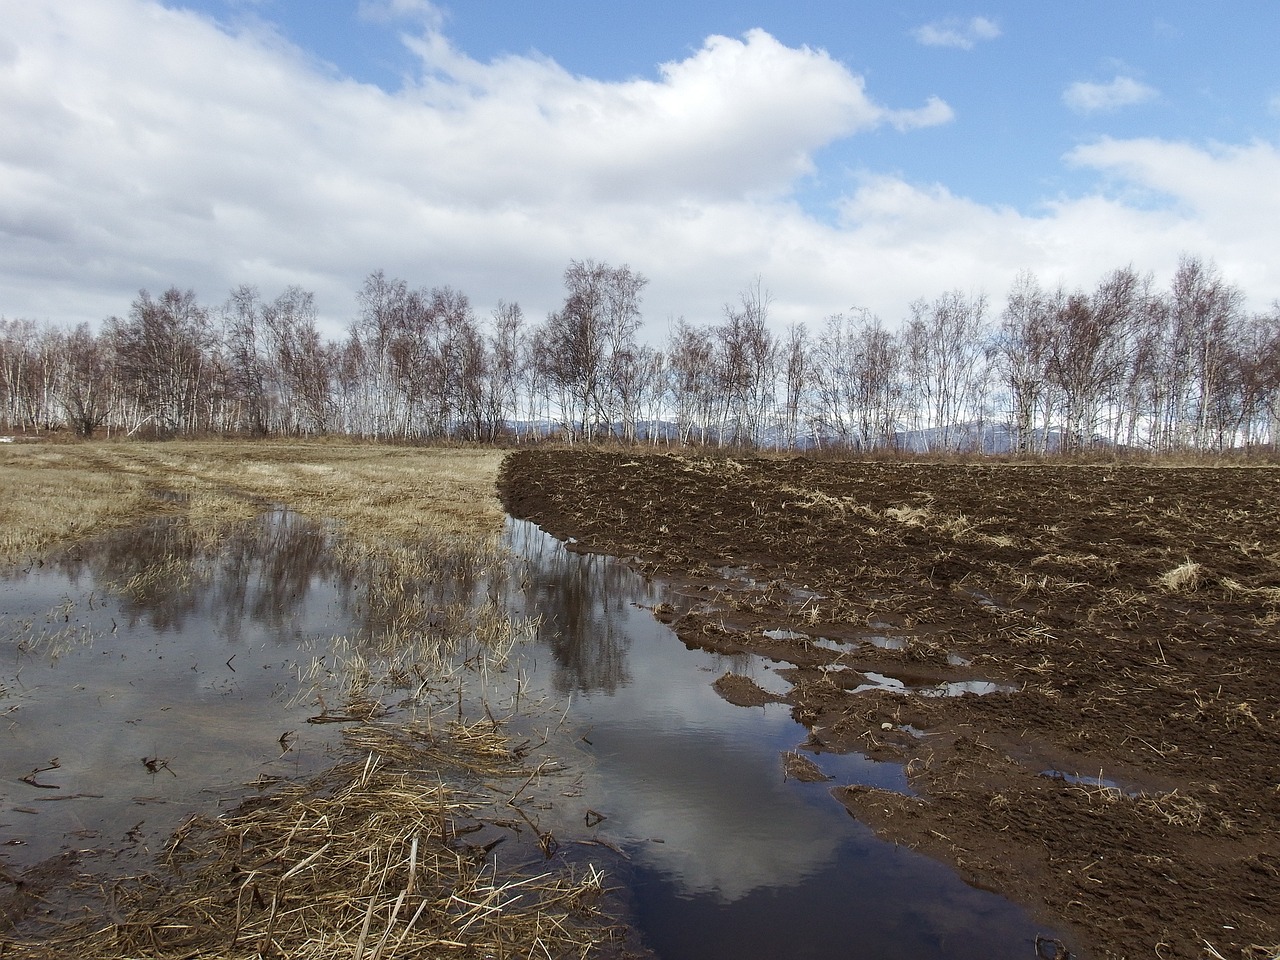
(727, 855)
(136, 691)
(1077, 667)
(152, 674)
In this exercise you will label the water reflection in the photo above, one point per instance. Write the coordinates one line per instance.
(156, 645)
(726, 857)
(164, 670)
(259, 574)
(266, 571)
(578, 598)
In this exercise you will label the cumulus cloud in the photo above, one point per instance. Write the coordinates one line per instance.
(957, 33)
(1085, 97)
(935, 111)
(739, 116)
(1157, 200)
(157, 148)
(147, 146)
(1218, 197)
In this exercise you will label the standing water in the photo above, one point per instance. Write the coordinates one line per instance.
(148, 677)
(144, 676)
(727, 857)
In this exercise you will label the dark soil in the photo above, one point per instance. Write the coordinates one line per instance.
(1124, 782)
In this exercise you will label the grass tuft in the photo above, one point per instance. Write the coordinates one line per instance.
(1184, 578)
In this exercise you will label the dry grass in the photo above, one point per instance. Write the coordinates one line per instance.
(909, 515)
(796, 766)
(65, 493)
(55, 494)
(372, 860)
(1184, 577)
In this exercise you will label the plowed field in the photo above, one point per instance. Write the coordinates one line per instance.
(1117, 768)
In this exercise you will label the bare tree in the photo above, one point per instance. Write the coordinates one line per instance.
(1205, 313)
(797, 364)
(87, 380)
(598, 321)
(691, 384)
(1261, 346)
(248, 360)
(858, 381)
(163, 350)
(943, 343)
(23, 373)
(372, 401)
(505, 368)
(636, 376)
(438, 362)
(1020, 357)
(1088, 351)
(747, 367)
(836, 407)
(302, 362)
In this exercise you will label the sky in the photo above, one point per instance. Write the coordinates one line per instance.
(843, 155)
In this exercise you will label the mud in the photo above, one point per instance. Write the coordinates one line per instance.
(1121, 774)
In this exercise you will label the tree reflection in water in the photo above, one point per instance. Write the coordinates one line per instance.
(574, 595)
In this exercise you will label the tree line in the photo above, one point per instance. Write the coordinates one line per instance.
(1127, 363)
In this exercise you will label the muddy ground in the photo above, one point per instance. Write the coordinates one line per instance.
(1123, 781)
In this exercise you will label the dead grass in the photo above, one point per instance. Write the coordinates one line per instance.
(796, 766)
(1184, 578)
(909, 515)
(60, 493)
(372, 860)
(66, 493)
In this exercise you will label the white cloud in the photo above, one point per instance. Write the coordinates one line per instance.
(739, 116)
(1084, 97)
(145, 147)
(386, 11)
(957, 33)
(1161, 199)
(1221, 199)
(932, 114)
(153, 148)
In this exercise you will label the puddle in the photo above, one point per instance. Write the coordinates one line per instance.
(784, 634)
(958, 688)
(954, 688)
(141, 705)
(883, 642)
(878, 681)
(746, 579)
(886, 643)
(210, 658)
(726, 857)
(768, 679)
(1095, 782)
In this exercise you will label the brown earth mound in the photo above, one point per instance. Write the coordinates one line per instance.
(1121, 774)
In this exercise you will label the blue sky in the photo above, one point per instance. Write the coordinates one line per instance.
(849, 155)
(1211, 76)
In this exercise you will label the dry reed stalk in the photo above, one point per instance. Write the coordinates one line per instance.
(909, 515)
(364, 861)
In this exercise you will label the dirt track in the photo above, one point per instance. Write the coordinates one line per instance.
(1131, 615)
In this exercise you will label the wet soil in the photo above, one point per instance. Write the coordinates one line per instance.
(1121, 774)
